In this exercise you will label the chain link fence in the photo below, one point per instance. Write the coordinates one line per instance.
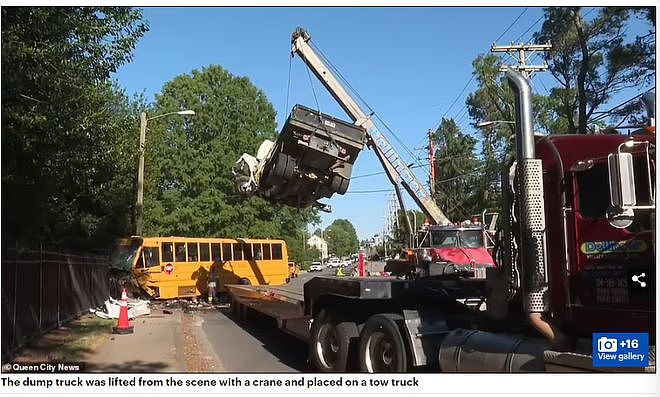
(43, 289)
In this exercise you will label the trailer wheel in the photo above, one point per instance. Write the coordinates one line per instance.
(381, 346)
(330, 342)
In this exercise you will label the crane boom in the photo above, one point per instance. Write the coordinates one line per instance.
(395, 168)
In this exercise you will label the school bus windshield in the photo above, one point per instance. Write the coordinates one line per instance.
(124, 253)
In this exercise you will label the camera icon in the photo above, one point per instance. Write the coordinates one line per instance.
(607, 345)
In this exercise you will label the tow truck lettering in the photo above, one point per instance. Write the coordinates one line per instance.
(612, 247)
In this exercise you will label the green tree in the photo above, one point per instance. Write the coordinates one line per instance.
(341, 238)
(455, 166)
(594, 59)
(67, 167)
(189, 189)
(493, 100)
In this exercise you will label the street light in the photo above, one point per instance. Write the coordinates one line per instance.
(139, 207)
(484, 124)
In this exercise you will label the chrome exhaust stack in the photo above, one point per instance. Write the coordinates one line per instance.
(531, 215)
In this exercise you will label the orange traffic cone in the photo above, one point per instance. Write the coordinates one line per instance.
(123, 327)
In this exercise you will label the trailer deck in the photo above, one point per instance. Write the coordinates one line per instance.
(292, 306)
(282, 303)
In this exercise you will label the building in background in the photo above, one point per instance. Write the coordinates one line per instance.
(320, 244)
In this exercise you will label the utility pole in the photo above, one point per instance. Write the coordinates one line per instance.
(522, 56)
(432, 165)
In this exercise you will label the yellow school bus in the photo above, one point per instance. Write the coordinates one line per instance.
(177, 267)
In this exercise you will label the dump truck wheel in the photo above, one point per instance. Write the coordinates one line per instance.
(339, 184)
(283, 168)
(381, 346)
(330, 342)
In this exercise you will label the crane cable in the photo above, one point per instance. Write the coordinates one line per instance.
(359, 97)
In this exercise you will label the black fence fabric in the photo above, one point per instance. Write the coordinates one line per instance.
(43, 289)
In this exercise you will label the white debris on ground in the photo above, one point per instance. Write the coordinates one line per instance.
(136, 308)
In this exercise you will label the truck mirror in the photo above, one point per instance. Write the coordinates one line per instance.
(622, 179)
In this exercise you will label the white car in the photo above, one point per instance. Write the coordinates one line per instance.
(316, 267)
(334, 262)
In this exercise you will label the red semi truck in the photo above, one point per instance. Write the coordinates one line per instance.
(575, 256)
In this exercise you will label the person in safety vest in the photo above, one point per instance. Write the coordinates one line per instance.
(340, 271)
(213, 283)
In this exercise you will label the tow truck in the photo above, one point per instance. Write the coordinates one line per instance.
(579, 232)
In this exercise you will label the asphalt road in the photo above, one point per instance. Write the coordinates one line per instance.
(257, 345)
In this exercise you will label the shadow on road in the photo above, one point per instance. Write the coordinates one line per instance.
(128, 366)
(290, 351)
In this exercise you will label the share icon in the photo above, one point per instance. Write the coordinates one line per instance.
(635, 278)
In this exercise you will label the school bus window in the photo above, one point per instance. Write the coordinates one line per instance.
(226, 251)
(192, 252)
(215, 252)
(238, 252)
(151, 256)
(267, 252)
(247, 251)
(204, 255)
(180, 249)
(277, 251)
(256, 248)
(167, 252)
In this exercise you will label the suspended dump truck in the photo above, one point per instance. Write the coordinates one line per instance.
(312, 159)
(576, 256)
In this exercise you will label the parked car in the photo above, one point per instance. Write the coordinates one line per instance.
(334, 262)
(316, 267)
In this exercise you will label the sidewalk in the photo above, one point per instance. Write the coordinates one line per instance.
(167, 340)
(154, 346)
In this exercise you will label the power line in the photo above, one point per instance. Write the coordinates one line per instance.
(357, 94)
(382, 172)
(604, 114)
(472, 76)
(529, 28)
(454, 102)
(512, 23)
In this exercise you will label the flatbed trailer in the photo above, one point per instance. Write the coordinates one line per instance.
(347, 305)
(423, 323)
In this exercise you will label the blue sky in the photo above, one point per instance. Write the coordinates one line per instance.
(408, 64)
